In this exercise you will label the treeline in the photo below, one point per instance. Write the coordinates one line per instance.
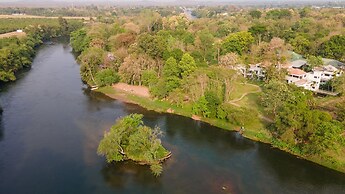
(306, 31)
(51, 12)
(87, 11)
(11, 24)
(18, 53)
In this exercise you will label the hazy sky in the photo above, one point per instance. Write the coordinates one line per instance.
(159, 2)
(110, 1)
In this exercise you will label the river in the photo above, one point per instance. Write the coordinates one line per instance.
(51, 127)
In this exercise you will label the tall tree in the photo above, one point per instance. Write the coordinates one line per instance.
(260, 32)
(255, 14)
(90, 60)
(204, 42)
(334, 48)
(237, 42)
(187, 65)
(171, 73)
(132, 68)
(300, 44)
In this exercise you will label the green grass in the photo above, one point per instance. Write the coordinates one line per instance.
(106, 90)
(241, 89)
(251, 101)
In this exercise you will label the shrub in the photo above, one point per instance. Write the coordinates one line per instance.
(107, 77)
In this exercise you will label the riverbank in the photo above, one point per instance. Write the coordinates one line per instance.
(253, 131)
(165, 107)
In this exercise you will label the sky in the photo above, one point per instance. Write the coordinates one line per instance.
(159, 2)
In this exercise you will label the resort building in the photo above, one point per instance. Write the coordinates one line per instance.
(295, 75)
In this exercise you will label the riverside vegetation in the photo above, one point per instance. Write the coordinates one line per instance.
(17, 53)
(186, 64)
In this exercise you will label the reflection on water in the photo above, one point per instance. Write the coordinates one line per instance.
(119, 175)
(1, 128)
(53, 125)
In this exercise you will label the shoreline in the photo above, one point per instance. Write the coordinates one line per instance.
(150, 104)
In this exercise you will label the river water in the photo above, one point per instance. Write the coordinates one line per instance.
(51, 127)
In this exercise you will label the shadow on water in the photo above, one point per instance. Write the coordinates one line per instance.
(98, 101)
(1, 128)
(304, 172)
(122, 174)
(194, 132)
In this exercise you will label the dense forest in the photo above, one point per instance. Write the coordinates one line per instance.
(189, 64)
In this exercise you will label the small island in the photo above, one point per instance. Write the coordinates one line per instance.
(130, 139)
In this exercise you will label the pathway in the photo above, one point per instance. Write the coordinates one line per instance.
(233, 102)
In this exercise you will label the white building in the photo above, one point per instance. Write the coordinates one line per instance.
(312, 80)
(253, 71)
(309, 81)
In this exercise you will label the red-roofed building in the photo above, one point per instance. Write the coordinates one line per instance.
(298, 74)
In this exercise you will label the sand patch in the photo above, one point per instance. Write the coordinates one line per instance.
(136, 90)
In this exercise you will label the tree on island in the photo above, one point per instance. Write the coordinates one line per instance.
(130, 139)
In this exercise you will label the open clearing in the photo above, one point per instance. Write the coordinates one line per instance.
(136, 90)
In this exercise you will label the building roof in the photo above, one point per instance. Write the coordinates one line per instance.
(293, 71)
(330, 68)
(298, 63)
(295, 56)
(334, 63)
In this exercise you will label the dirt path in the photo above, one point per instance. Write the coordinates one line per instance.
(136, 90)
(11, 34)
(233, 102)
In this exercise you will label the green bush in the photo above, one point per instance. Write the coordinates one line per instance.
(107, 77)
(200, 107)
(149, 78)
(213, 101)
(235, 115)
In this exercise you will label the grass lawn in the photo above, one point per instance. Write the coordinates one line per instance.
(240, 89)
(106, 90)
(251, 101)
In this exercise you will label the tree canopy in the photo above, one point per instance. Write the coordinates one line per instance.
(130, 139)
(238, 43)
